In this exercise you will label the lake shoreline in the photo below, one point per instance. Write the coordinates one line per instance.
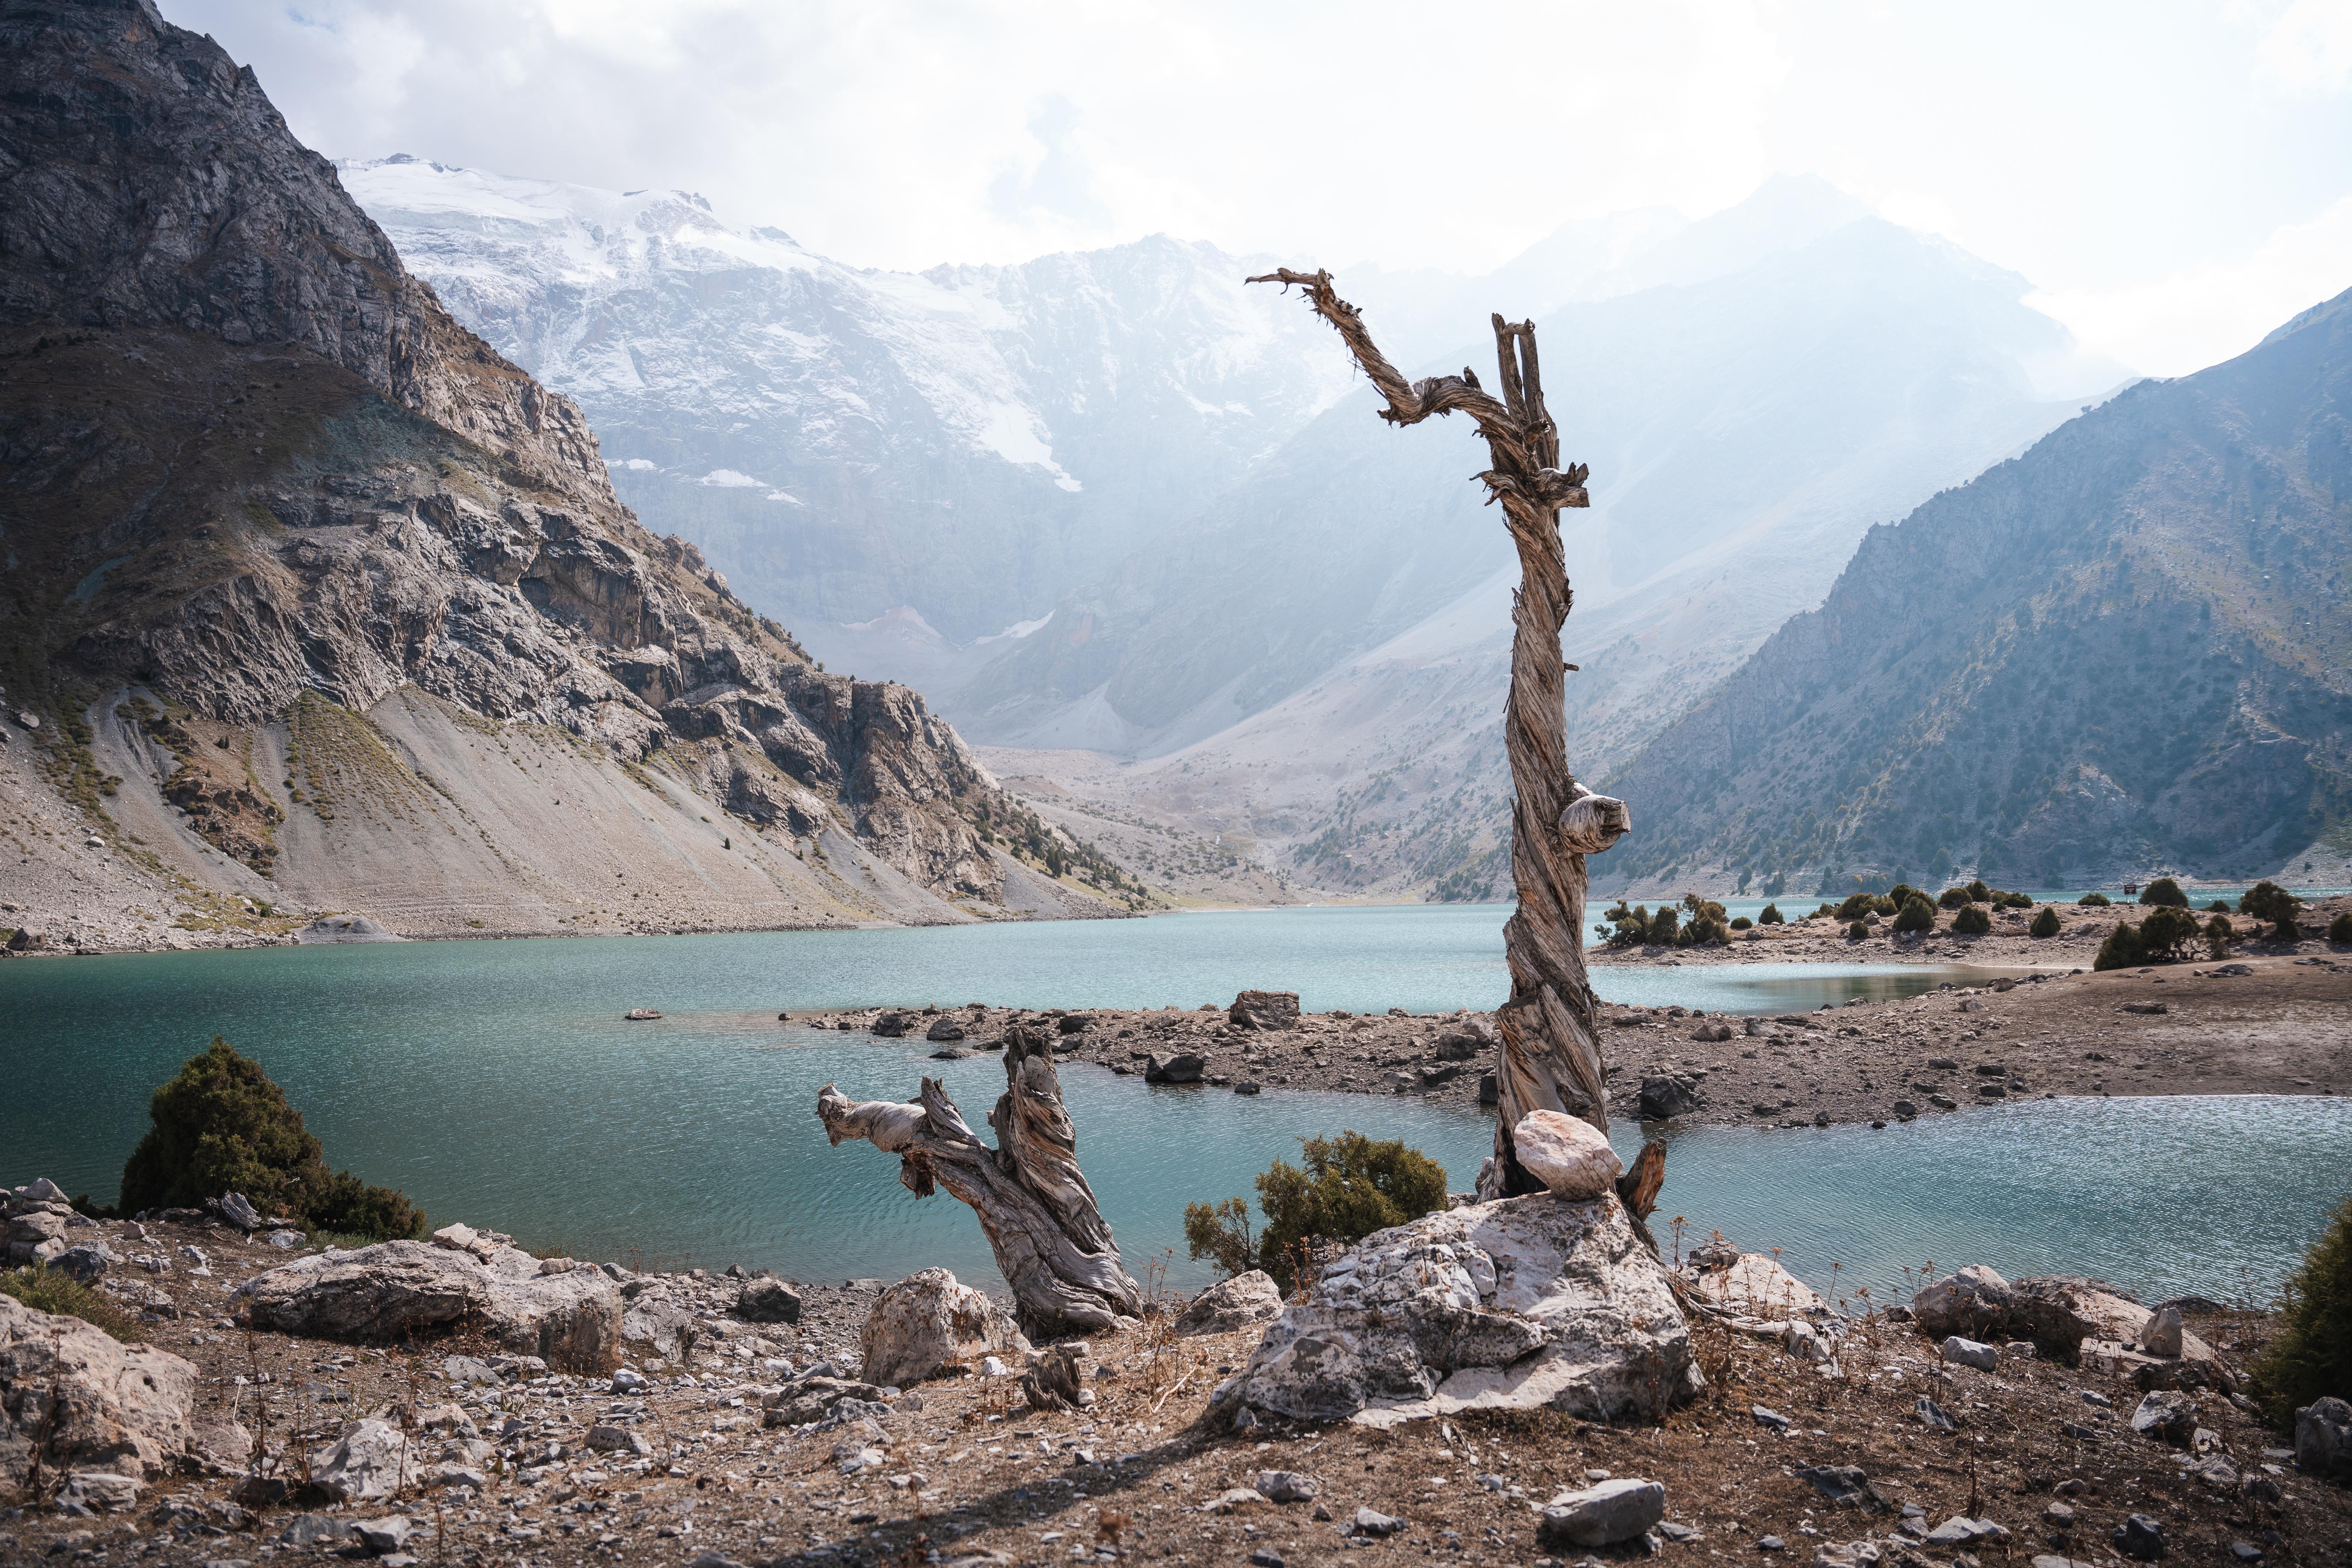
(2281, 1026)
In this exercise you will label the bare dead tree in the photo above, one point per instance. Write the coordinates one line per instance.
(1051, 1241)
(1551, 1026)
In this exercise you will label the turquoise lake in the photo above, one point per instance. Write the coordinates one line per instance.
(495, 1083)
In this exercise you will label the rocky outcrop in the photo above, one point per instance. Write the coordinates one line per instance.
(2323, 1439)
(1240, 1302)
(1567, 1153)
(263, 468)
(929, 1323)
(1265, 1010)
(569, 1316)
(1520, 1304)
(78, 1400)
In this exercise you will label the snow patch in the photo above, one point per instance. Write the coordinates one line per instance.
(787, 498)
(728, 480)
(1013, 433)
(638, 465)
(1017, 630)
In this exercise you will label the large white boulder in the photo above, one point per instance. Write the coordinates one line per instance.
(570, 1318)
(1754, 1285)
(1512, 1305)
(1568, 1154)
(929, 1323)
(88, 1402)
(1230, 1304)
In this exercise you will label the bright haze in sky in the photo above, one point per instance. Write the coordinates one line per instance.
(2175, 179)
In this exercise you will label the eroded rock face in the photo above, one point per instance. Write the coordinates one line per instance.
(930, 1322)
(1230, 1304)
(572, 1318)
(87, 1401)
(1265, 1010)
(1512, 1305)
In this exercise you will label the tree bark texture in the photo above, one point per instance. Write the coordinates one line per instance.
(1051, 1241)
(1549, 1028)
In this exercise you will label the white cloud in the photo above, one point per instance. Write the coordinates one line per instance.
(2216, 310)
(2307, 51)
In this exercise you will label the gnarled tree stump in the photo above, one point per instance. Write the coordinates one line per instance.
(1051, 1242)
(1549, 1028)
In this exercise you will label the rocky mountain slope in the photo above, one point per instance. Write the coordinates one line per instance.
(2124, 651)
(902, 464)
(313, 601)
(1744, 432)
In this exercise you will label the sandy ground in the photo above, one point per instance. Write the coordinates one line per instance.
(2279, 1025)
(973, 1477)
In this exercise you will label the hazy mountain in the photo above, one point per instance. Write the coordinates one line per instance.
(925, 461)
(311, 596)
(2127, 650)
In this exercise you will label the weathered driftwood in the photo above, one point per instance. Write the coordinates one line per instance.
(1051, 1241)
(1551, 1026)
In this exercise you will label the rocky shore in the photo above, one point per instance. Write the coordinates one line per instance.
(729, 1421)
(2262, 1026)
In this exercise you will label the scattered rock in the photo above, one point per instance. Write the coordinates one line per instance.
(1935, 1417)
(1602, 1515)
(1287, 1486)
(2161, 1334)
(639, 1015)
(1265, 1010)
(369, 1462)
(1845, 1486)
(946, 1031)
(890, 1025)
(768, 1302)
(2323, 1439)
(2169, 1417)
(344, 928)
(2140, 1538)
(929, 1323)
(1236, 1303)
(617, 1440)
(1370, 1521)
(382, 1536)
(89, 1493)
(1519, 1304)
(1669, 1095)
(89, 1401)
(1771, 1420)
(1568, 1154)
(308, 1529)
(1177, 1067)
(377, 1294)
(1969, 1353)
(1233, 1500)
(1752, 1284)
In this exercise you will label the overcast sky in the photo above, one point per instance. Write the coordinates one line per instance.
(2176, 178)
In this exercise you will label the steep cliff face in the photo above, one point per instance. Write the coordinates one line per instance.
(2129, 649)
(255, 471)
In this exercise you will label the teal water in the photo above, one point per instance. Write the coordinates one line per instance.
(495, 1083)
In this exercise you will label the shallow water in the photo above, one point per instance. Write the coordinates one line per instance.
(495, 1083)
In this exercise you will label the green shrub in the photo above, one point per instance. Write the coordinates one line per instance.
(47, 1290)
(2013, 900)
(2270, 902)
(1663, 926)
(2122, 950)
(2163, 893)
(1351, 1186)
(2219, 934)
(1953, 898)
(220, 1125)
(1902, 893)
(2311, 1357)
(2339, 929)
(2218, 907)
(1627, 927)
(1825, 909)
(1859, 930)
(1771, 916)
(1917, 914)
(1972, 921)
(2094, 901)
(2045, 923)
(2168, 931)
(1741, 922)
(1859, 905)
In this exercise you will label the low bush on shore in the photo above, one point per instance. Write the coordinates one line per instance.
(2165, 893)
(2045, 924)
(221, 1126)
(47, 1290)
(2311, 1357)
(1352, 1187)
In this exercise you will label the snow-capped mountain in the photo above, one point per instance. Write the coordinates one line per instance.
(898, 465)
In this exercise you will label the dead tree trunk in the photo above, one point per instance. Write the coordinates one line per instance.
(1551, 1026)
(1051, 1242)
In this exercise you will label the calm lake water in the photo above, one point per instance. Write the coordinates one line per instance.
(495, 1083)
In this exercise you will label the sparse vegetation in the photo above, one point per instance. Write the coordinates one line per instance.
(2164, 893)
(2096, 901)
(2339, 929)
(2311, 1357)
(2162, 937)
(220, 1125)
(1771, 916)
(47, 1290)
(1917, 914)
(2045, 924)
(1859, 930)
(2274, 905)
(1972, 921)
(1351, 1186)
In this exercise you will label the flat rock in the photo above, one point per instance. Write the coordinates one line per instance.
(571, 1320)
(929, 1323)
(1519, 1304)
(1175, 1067)
(1286, 1486)
(1240, 1302)
(1602, 1515)
(1969, 1353)
(91, 1402)
(1567, 1153)
(1754, 1285)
